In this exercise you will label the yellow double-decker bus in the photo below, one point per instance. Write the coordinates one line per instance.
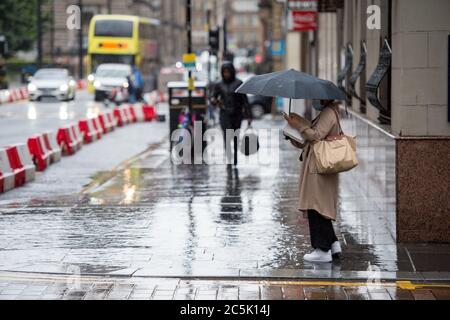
(124, 39)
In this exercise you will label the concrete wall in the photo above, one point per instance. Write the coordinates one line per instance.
(294, 61)
(420, 66)
(327, 45)
(293, 50)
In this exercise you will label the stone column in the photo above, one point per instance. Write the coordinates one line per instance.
(421, 32)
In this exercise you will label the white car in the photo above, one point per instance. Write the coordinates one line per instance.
(52, 82)
(110, 76)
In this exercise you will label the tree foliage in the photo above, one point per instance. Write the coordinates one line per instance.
(18, 22)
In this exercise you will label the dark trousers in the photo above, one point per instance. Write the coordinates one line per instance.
(234, 123)
(139, 94)
(321, 231)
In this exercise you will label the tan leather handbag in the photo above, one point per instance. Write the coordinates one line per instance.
(336, 154)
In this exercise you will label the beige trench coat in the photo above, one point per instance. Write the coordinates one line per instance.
(317, 191)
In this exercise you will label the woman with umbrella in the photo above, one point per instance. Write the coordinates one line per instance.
(318, 192)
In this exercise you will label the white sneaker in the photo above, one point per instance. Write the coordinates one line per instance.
(336, 248)
(318, 256)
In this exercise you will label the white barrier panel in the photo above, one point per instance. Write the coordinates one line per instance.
(7, 176)
(52, 145)
(27, 162)
(139, 112)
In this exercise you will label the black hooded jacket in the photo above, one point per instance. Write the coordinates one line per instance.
(234, 105)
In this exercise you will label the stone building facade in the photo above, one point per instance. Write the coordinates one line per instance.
(244, 27)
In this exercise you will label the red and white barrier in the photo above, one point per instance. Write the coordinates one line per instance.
(7, 179)
(69, 139)
(111, 119)
(157, 96)
(24, 93)
(149, 112)
(39, 153)
(103, 126)
(4, 96)
(65, 141)
(18, 94)
(126, 113)
(51, 145)
(106, 123)
(90, 130)
(141, 113)
(76, 135)
(118, 116)
(121, 116)
(16, 167)
(131, 113)
(27, 161)
(21, 164)
(138, 112)
(13, 95)
(98, 127)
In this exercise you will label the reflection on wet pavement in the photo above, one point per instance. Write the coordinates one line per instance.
(157, 219)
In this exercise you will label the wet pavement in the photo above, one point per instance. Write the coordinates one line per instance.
(19, 286)
(152, 219)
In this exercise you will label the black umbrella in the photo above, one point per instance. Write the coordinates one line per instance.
(291, 84)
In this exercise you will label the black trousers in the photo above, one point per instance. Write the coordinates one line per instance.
(321, 231)
(234, 123)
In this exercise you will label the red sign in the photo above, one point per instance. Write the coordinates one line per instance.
(302, 20)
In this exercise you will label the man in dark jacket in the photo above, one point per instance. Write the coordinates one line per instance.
(234, 107)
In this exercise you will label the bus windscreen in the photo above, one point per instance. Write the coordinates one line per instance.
(114, 28)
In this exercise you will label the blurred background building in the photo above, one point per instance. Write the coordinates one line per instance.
(245, 27)
(272, 17)
(60, 45)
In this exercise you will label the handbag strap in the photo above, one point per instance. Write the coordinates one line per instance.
(338, 120)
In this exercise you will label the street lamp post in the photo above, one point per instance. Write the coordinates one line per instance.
(52, 31)
(189, 50)
(225, 32)
(80, 42)
(208, 29)
(39, 32)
